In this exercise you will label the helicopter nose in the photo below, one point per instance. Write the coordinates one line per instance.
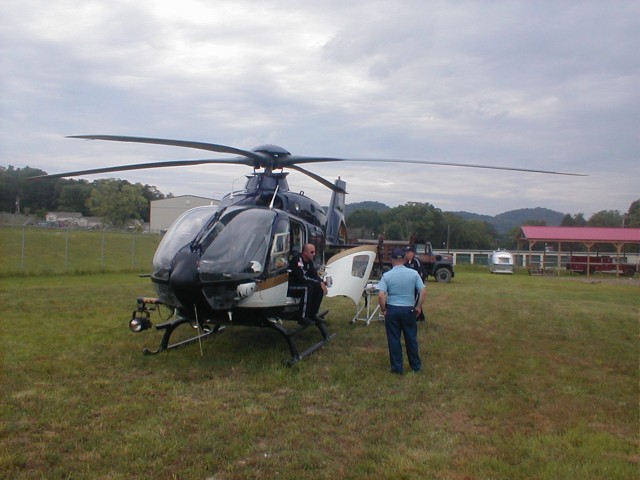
(184, 280)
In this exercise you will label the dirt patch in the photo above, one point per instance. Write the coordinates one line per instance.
(603, 279)
(614, 281)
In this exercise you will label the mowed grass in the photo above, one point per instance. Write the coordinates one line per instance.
(38, 251)
(525, 377)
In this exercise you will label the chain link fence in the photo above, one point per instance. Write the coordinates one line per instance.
(29, 250)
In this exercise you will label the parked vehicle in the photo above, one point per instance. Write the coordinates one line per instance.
(437, 265)
(600, 263)
(501, 261)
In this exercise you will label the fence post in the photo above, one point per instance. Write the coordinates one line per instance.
(22, 253)
(66, 250)
(102, 252)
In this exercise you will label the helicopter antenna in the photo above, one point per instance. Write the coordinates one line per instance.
(232, 186)
(273, 199)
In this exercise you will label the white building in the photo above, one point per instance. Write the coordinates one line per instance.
(166, 211)
(64, 217)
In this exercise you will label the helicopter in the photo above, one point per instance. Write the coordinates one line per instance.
(226, 265)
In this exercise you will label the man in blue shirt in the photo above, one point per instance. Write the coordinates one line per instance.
(396, 296)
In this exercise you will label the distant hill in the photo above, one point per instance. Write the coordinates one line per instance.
(504, 222)
(375, 206)
(474, 216)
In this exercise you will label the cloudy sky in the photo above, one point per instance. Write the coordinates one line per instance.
(551, 85)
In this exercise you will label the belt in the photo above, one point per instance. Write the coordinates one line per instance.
(400, 306)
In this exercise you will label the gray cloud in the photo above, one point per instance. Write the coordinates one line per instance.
(545, 85)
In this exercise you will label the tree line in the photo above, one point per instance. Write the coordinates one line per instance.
(423, 221)
(116, 201)
(112, 200)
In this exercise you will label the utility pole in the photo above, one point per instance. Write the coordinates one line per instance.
(448, 231)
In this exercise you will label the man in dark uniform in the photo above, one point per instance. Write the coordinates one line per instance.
(412, 262)
(305, 283)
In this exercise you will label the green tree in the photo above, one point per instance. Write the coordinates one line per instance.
(576, 220)
(455, 227)
(18, 195)
(632, 218)
(364, 224)
(7, 191)
(73, 196)
(420, 220)
(394, 230)
(606, 218)
(567, 221)
(463, 233)
(473, 234)
(116, 201)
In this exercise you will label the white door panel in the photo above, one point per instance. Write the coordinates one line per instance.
(347, 273)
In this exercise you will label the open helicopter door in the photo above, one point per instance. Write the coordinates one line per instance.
(347, 273)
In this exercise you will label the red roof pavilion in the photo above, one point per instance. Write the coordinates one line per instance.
(589, 236)
(580, 234)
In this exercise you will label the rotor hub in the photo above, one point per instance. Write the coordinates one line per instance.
(273, 151)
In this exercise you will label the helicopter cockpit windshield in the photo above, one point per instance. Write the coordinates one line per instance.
(181, 234)
(237, 244)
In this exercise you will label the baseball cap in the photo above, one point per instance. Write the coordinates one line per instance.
(397, 253)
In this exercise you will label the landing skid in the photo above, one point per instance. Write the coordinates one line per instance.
(207, 330)
(168, 327)
(288, 335)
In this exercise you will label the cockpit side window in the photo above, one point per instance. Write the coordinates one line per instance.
(297, 237)
(280, 246)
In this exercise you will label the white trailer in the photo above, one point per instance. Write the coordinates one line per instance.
(501, 261)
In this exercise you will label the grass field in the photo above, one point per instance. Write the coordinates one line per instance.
(37, 251)
(526, 377)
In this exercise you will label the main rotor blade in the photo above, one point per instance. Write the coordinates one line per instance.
(300, 159)
(290, 160)
(142, 166)
(212, 147)
(317, 178)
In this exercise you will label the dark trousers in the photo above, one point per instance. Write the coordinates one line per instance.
(401, 321)
(310, 298)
